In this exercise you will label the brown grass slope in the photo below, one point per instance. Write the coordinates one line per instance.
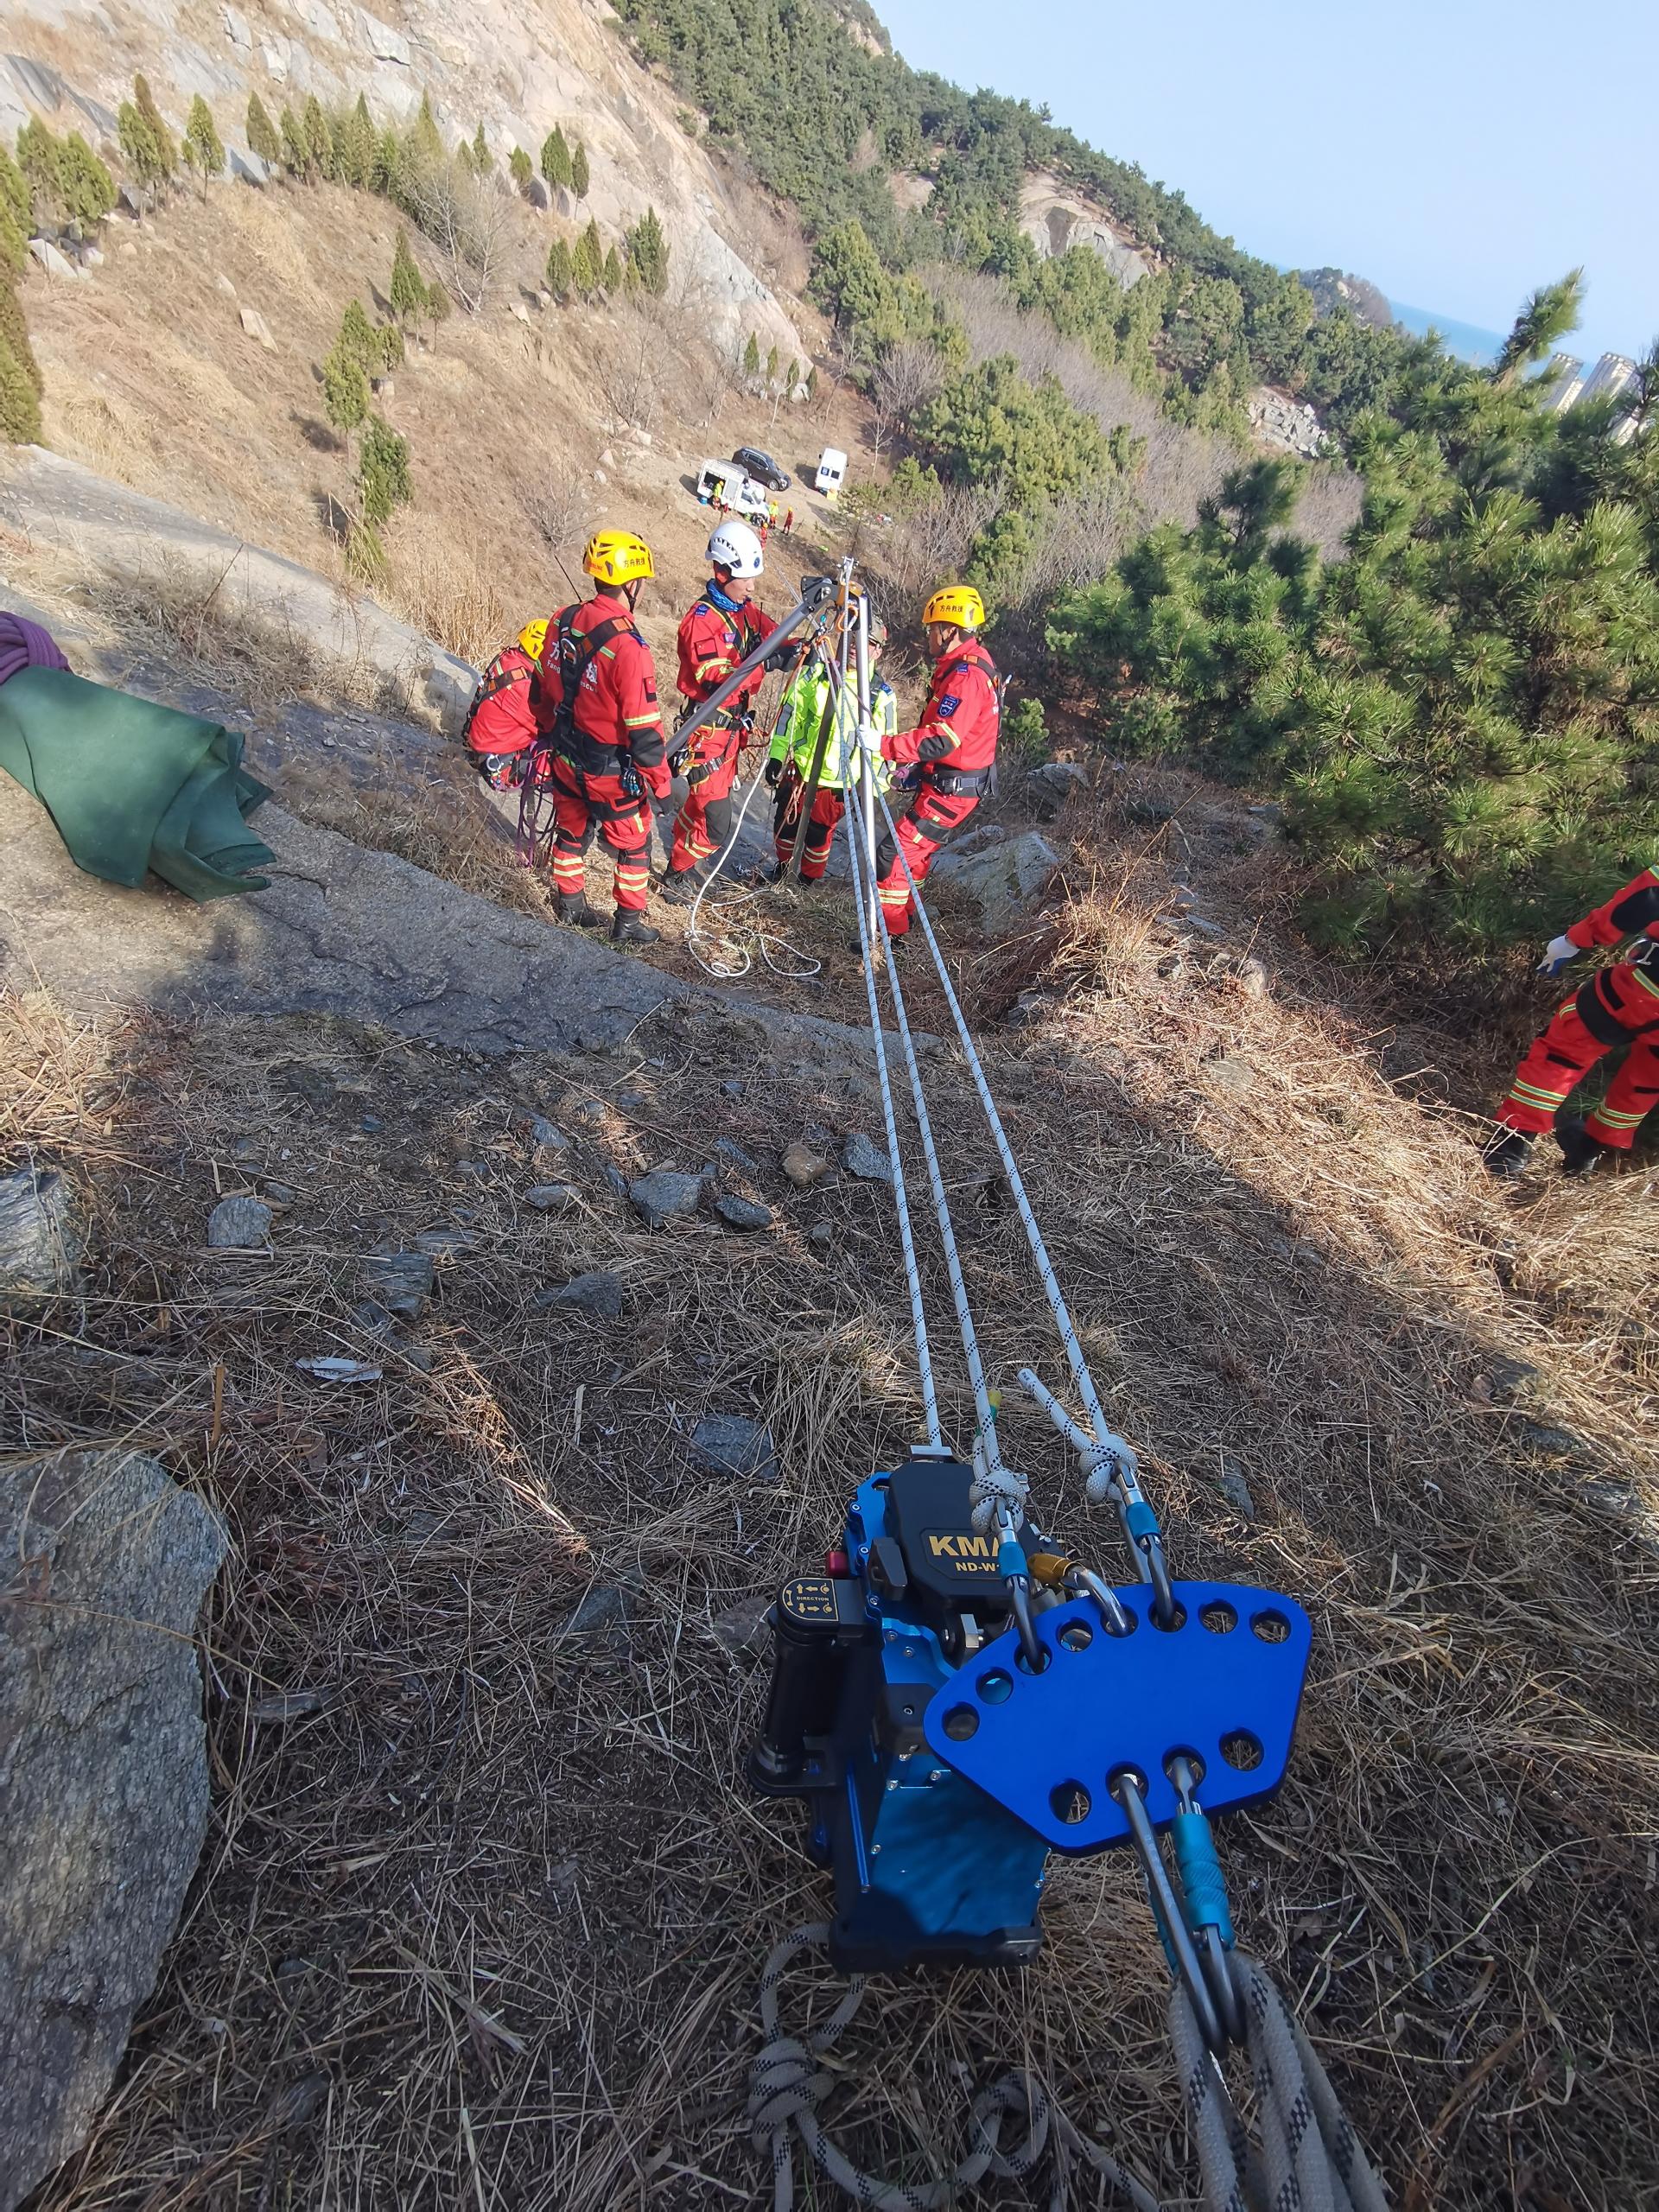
(481, 1922)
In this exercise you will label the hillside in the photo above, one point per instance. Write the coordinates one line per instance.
(509, 1463)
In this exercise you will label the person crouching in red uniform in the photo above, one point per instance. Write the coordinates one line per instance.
(953, 744)
(721, 629)
(500, 728)
(602, 727)
(1619, 1005)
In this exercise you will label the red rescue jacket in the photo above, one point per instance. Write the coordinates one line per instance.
(958, 725)
(502, 718)
(1633, 911)
(615, 713)
(712, 644)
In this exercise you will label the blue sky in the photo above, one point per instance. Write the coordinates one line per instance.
(1457, 154)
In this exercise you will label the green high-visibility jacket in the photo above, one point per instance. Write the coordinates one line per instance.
(801, 716)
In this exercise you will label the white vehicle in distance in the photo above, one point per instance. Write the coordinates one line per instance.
(832, 467)
(722, 484)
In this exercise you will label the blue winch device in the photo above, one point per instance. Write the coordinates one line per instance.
(942, 1753)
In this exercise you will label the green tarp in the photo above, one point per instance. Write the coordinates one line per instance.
(131, 785)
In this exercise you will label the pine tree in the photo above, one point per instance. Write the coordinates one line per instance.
(20, 405)
(167, 156)
(354, 145)
(14, 190)
(295, 159)
(610, 275)
(344, 389)
(203, 148)
(793, 384)
(319, 139)
(87, 187)
(437, 309)
(519, 169)
(483, 161)
(587, 262)
(772, 367)
(382, 170)
(262, 131)
(751, 356)
(426, 138)
(39, 157)
(556, 160)
(137, 142)
(389, 345)
(579, 176)
(407, 292)
(14, 248)
(357, 340)
(648, 253)
(560, 274)
(14, 333)
(812, 381)
(382, 472)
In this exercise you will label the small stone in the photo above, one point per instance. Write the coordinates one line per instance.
(372, 1319)
(602, 1617)
(1234, 1488)
(866, 1160)
(51, 260)
(1612, 1497)
(222, 283)
(727, 1444)
(370, 1124)
(600, 1295)
(333, 1367)
(821, 1236)
(729, 1149)
(127, 251)
(590, 1110)
(241, 1224)
(1205, 929)
(470, 1168)
(551, 1198)
(1253, 979)
(288, 1705)
(280, 1195)
(1267, 813)
(804, 1166)
(401, 1281)
(617, 1181)
(444, 1244)
(1553, 1443)
(743, 1630)
(742, 1213)
(733, 1089)
(664, 1194)
(631, 1101)
(41, 1240)
(257, 328)
(1151, 811)
(607, 458)
(1510, 1379)
(419, 1357)
(546, 1135)
(91, 257)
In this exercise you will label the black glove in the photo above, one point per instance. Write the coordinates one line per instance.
(775, 769)
(676, 761)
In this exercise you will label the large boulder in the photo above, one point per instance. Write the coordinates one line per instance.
(102, 1774)
(1003, 879)
(41, 1240)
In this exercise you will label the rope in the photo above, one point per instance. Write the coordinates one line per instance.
(786, 2088)
(1105, 1437)
(1310, 2159)
(998, 1483)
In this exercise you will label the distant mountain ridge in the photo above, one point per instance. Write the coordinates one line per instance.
(1335, 288)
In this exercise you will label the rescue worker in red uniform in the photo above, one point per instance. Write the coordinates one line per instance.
(501, 720)
(1619, 1006)
(721, 629)
(953, 746)
(601, 730)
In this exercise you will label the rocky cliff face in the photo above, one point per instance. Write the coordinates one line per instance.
(1055, 219)
(518, 66)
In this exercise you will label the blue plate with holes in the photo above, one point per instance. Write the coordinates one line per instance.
(1224, 1687)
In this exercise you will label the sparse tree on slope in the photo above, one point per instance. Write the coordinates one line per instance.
(519, 169)
(587, 262)
(610, 275)
(262, 131)
(648, 253)
(166, 153)
(407, 291)
(203, 148)
(561, 274)
(318, 140)
(579, 175)
(556, 160)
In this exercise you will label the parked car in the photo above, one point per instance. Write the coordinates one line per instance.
(761, 465)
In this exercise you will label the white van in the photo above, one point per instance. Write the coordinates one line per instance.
(722, 483)
(832, 467)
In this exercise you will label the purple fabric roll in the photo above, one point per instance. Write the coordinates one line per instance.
(25, 644)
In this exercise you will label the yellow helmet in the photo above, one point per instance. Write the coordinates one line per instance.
(617, 557)
(532, 637)
(957, 603)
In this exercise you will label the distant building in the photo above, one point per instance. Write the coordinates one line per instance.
(1561, 383)
(1613, 374)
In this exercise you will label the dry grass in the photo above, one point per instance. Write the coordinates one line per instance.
(484, 1929)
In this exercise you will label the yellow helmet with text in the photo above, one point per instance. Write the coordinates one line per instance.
(617, 557)
(957, 603)
(532, 637)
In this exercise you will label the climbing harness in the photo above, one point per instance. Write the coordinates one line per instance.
(954, 1696)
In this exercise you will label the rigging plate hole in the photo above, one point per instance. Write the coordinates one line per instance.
(997, 1687)
(961, 1723)
(1070, 1803)
(1220, 1618)
(1241, 1750)
(1270, 1627)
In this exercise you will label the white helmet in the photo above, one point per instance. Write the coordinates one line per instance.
(735, 546)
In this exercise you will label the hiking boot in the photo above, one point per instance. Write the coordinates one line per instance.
(573, 907)
(630, 928)
(1580, 1152)
(682, 884)
(1506, 1152)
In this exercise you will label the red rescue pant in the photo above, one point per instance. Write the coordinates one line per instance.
(934, 818)
(704, 822)
(828, 807)
(582, 804)
(1560, 1059)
